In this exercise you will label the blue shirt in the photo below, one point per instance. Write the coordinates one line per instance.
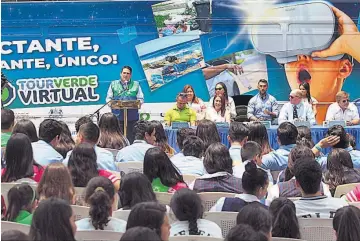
(135, 152)
(277, 160)
(45, 154)
(189, 165)
(235, 153)
(355, 157)
(104, 159)
(257, 105)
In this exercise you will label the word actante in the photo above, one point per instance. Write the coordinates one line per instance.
(58, 89)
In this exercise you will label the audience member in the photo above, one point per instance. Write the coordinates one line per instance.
(21, 198)
(53, 220)
(13, 235)
(111, 136)
(244, 232)
(238, 135)
(100, 196)
(161, 172)
(195, 102)
(135, 188)
(188, 210)
(7, 124)
(208, 133)
(56, 182)
(221, 89)
(66, 142)
(180, 137)
(81, 121)
(277, 160)
(44, 149)
(190, 162)
(218, 165)
(144, 139)
(180, 112)
(83, 166)
(161, 139)
(352, 141)
(313, 204)
(89, 133)
(217, 112)
(20, 164)
(258, 133)
(346, 224)
(284, 221)
(140, 234)
(152, 215)
(26, 127)
(254, 182)
(304, 137)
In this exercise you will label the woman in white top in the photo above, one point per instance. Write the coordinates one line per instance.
(307, 98)
(188, 209)
(218, 111)
(220, 89)
(194, 102)
(100, 193)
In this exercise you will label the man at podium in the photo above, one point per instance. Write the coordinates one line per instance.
(126, 89)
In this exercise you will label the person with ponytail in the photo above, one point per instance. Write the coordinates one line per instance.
(255, 183)
(188, 209)
(346, 223)
(285, 222)
(21, 204)
(100, 196)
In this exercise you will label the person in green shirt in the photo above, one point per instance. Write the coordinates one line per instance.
(180, 112)
(21, 199)
(7, 124)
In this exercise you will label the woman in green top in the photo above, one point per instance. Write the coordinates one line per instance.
(21, 204)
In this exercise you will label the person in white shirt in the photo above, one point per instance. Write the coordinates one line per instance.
(221, 89)
(343, 110)
(195, 102)
(218, 112)
(296, 109)
(238, 135)
(188, 210)
(307, 98)
(312, 204)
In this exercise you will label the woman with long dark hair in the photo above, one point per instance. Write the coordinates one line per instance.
(218, 112)
(111, 135)
(161, 172)
(161, 138)
(208, 133)
(258, 133)
(195, 102)
(26, 127)
(221, 89)
(20, 165)
(307, 98)
(66, 142)
(346, 224)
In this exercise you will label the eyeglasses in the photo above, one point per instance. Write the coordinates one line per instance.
(183, 95)
(345, 101)
(292, 97)
(219, 88)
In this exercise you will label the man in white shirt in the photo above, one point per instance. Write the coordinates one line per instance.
(238, 134)
(312, 204)
(343, 110)
(296, 109)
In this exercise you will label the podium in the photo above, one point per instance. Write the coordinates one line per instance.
(125, 105)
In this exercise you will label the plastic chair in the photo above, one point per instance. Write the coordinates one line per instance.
(163, 197)
(285, 239)
(210, 198)
(128, 167)
(189, 178)
(194, 238)
(6, 186)
(344, 189)
(225, 220)
(98, 235)
(80, 212)
(113, 151)
(316, 229)
(14, 226)
(121, 214)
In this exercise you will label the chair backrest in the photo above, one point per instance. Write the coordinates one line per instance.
(128, 167)
(113, 151)
(194, 238)
(98, 235)
(209, 199)
(317, 229)
(344, 189)
(189, 178)
(163, 197)
(356, 204)
(285, 239)
(225, 220)
(14, 226)
(121, 214)
(5, 188)
(80, 198)
(80, 212)
(275, 174)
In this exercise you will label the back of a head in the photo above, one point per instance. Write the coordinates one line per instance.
(346, 223)
(56, 182)
(109, 123)
(147, 214)
(207, 132)
(193, 146)
(20, 197)
(250, 150)
(141, 128)
(13, 235)
(49, 129)
(182, 134)
(304, 136)
(287, 133)
(140, 234)
(90, 132)
(352, 141)
(337, 159)
(217, 159)
(135, 188)
(111, 135)
(238, 131)
(81, 121)
(51, 221)
(339, 131)
(187, 206)
(159, 131)
(257, 216)
(285, 222)
(26, 127)
(254, 180)
(258, 133)
(7, 119)
(296, 153)
(244, 232)
(100, 192)
(308, 174)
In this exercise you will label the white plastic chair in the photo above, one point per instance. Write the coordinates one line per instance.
(344, 189)
(14, 226)
(225, 220)
(209, 199)
(128, 167)
(163, 197)
(6, 186)
(121, 214)
(316, 229)
(194, 238)
(189, 178)
(98, 235)
(80, 212)
(286, 239)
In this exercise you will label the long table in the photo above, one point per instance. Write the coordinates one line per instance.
(317, 133)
